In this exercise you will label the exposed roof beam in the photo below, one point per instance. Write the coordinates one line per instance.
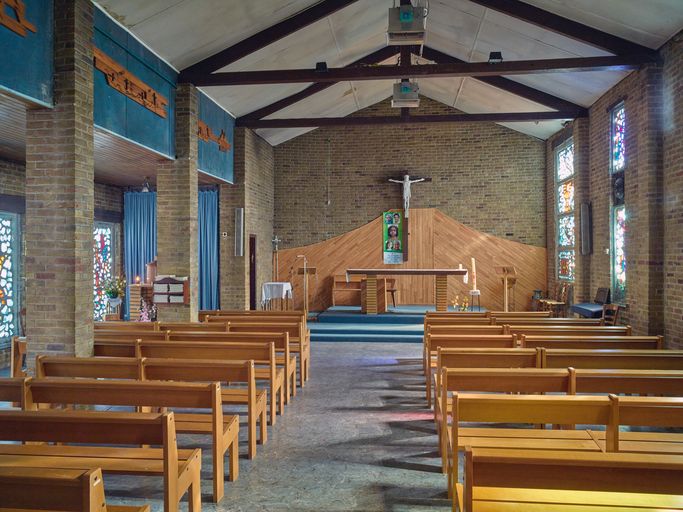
(375, 120)
(475, 69)
(375, 57)
(264, 38)
(567, 27)
(505, 84)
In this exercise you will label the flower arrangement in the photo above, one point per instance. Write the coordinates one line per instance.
(115, 287)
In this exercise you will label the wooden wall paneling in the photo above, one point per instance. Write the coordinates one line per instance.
(436, 241)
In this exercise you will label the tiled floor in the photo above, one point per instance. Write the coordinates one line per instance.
(357, 438)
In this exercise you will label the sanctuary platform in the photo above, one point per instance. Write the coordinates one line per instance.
(401, 324)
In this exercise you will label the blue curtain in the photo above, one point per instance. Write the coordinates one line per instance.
(208, 249)
(139, 235)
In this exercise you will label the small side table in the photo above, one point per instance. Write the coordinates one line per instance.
(113, 308)
(475, 294)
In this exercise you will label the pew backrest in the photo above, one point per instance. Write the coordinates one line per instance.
(507, 380)
(543, 321)
(487, 358)
(132, 326)
(13, 389)
(130, 335)
(654, 382)
(435, 341)
(593, 342)
(615, 359)
(455, 330)
(569, 330)
(88, 367)
(194, 326)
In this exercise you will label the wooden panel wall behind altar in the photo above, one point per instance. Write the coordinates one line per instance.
(436, 241)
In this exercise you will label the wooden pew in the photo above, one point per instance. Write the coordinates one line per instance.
(523, 409)
(130, 335)
(263, 354)
(432, 342)
(518, 314)
(541, 321)
(594, 342)
(463, 329)
(556, 481)
(457, 320)
(282, 349)
(615, 359)
(299, 338)
(180, 469)
(66, 490)
(639, 382)
(17, 356)
(132, 326)
(569, 330)
(194, 326)
(497, 380)
(191, 370)
(224, 430)
(651, 412)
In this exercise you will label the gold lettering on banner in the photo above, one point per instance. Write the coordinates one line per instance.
(129, 85)
(206, 134)
(19, 23)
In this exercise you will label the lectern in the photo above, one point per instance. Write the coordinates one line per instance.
(507, 272)
(306, 271)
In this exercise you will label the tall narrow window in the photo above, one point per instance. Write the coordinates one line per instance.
(9, 274)
(566, 228)
(618, 165)
(103, 265)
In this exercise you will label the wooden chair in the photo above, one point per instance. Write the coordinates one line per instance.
(67, 490)
(610, 314)
(224, 430)
(558, 304)
(17, 357)
(100, 431)
(539, 480)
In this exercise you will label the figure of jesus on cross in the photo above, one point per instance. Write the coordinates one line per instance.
(406, 182)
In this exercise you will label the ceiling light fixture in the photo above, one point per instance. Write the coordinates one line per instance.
(495, 57)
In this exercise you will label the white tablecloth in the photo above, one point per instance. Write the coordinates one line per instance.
(275, 290)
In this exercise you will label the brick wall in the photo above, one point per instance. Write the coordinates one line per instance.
(654, 248)
(484, 175)
(253, 191)
(13, 180)
(672, 131)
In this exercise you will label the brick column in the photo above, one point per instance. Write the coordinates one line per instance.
(59, 196)
(177, 204)
(580, 135)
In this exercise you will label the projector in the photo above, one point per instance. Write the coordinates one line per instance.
(406, 94)
(406, 25)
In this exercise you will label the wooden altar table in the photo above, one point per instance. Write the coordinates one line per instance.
(441, 277)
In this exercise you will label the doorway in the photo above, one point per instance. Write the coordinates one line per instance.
(252, 272)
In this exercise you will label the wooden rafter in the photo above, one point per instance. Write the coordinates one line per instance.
(373, 58)
(505, 84)
(262, 39)
(568, 27)
(474, 69)
(400, 119)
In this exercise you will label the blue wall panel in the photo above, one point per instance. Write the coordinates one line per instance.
(211, 159)
(121, 115)
(26, 61)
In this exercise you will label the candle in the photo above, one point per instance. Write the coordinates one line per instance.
(474, 275)
(137, 279)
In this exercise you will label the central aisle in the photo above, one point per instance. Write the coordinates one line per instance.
(357, 438)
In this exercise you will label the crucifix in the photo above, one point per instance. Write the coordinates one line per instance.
(276, 260)
(407, 182)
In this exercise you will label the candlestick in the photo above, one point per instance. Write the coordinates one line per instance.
(474, 275)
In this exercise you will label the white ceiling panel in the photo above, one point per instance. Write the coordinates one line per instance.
(647, 22)
(186, 31)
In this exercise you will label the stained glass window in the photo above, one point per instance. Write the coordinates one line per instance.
(565, 162)
(103, 265)
(565, 197)
(566, 228)
(566, 264)
(8, 270)
(618, 143)
(565, 231)
(619, 254)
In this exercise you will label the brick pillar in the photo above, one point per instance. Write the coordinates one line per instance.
(60, 196)
(234, 281)
(177, 204)
(580, 135)
(644, 208)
